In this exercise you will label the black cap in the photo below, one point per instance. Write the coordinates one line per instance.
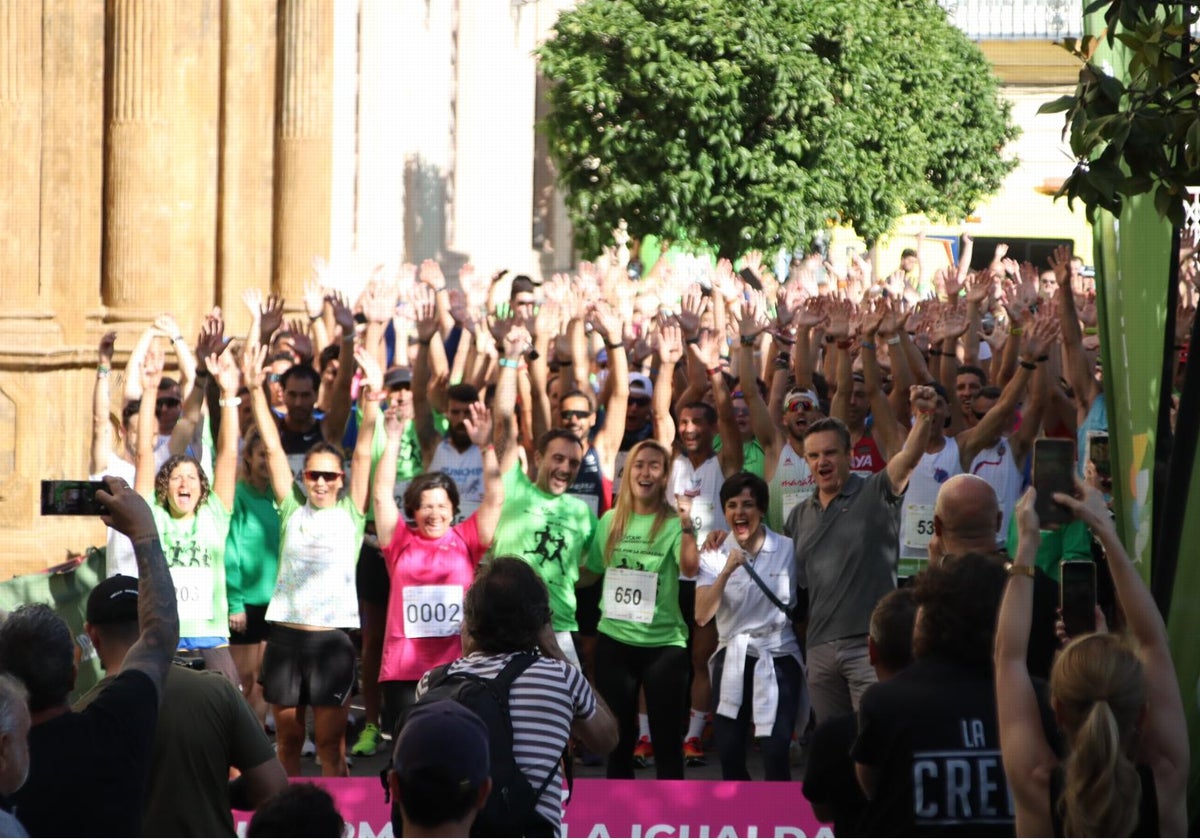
(396, 377)
(113, 601)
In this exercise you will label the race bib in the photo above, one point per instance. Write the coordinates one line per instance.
(918, 526)
(703, 516)
(793, 496)
(629, 595)
(432, 611)
(193, 593)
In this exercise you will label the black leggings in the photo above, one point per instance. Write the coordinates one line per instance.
(621, 670)
(398, 695)
(731, 734)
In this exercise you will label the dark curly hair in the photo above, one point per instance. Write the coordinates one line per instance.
(959, 601)
(424, 483)
(163, 478)
(506, 607)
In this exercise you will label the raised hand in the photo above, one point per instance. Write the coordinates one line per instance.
(165, 324)
(211, 340)
(707, 349)
(314, 298)
(394, 419)
(342, 315)
(839, 319)
(372, 372)
(424, 312)
(105, 351)
(224, 367)
(979, 289)
(253, 299)
(516, 340)
(872, 318)
(691, 307)
(478, 424)
(1039, 337)
(606, 322)
(301, 343)
(252, 366)
(670, 342)
(431, 275)
(272, 317)
(379, 301)
(152, 371)
(1085, 308)
(1060, 264)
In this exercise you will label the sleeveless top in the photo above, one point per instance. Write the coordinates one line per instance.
(916, 511)
(1147, 824)
(998, 467)
(865, 457)
(591, 485)
(791, 484)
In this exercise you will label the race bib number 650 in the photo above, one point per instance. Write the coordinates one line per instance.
(629, 595)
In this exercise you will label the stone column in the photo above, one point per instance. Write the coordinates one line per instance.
(303, 143)
(20, 137)
(247, 155)
(138, 186)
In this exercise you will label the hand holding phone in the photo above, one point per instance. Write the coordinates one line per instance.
(72, 498)
(1053, 472)
(1077, 597)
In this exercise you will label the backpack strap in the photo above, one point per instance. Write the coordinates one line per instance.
(501, 685)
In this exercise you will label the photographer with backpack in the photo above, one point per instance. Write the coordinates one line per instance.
(514, 676)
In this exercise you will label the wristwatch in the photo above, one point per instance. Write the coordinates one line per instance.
(1014, 569)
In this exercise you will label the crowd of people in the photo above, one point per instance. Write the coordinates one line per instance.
(722, 508)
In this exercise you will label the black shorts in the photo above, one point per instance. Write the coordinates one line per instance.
(307, 667)
(371, 580)
(256, 626)
(587, 607)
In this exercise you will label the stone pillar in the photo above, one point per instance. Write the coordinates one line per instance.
(247, 155)
(138, 188)
(303, 143)
(20, 137)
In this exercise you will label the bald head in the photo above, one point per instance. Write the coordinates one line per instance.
(966, 515)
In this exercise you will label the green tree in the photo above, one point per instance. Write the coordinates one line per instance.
(1135, 131)
(753, 123)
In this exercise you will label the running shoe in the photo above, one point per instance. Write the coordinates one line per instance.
(309, 747)
(693, 752)
(643, 753)
(368, 741)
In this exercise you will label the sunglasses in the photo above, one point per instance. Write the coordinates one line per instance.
(641, 401)
(167, 402)
(800, 405)
(571, 414)
(319, 475)
(273, 377)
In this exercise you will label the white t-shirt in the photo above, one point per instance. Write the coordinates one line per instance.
(703, 485)
(466, 468)
(118, 554)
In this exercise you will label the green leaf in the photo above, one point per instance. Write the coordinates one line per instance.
(1054, 106)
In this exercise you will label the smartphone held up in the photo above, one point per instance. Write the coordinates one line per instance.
(72, 498)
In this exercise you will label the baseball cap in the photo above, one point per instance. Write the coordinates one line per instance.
(113, 601)
(641, 382)
(446, 737)
(396, 377)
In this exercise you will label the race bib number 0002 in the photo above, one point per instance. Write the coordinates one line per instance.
(432, 611)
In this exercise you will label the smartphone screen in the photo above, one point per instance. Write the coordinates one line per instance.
(1053, 472)
(72, 498)
(751, 279)
(1078, 596)
(1098, 454)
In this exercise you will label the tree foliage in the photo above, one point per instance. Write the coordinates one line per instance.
(1136, 131)
(751, 123)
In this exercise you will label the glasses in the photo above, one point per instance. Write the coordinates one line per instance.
(639, 401)
(572, 414)
(167, 402)
(273, 377)
(800, 405)
(320, 475)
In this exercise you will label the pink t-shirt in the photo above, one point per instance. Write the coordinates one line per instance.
(429, 579)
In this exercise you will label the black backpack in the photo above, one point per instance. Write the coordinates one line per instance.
(510, 811)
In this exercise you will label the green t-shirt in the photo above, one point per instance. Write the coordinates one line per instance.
(195, 552)
(252, 549)
(638, 552)
(753, 459)
(1073, 541)
(408, 462)
(550, 533)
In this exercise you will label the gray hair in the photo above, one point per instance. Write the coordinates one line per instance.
(13, 698)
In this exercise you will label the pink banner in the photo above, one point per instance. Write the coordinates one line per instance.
(601, 808)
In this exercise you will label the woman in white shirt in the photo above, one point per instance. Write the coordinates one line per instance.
(756, 671)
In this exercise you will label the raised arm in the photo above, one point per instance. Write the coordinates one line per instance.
(372, 394)
(885, 429)
(334, 424)
(487, 517)
(102, 434)
(707, 353)
(158, 617)
(210, 342)
(151, 372)
(515, 340)
(670, 351)
(1078, 373)
(1028, 759)
(133, 367)
(545, 325)
(387, 514)
(751, 320)
(225, 461)
(184, 358)
(839, 331)
(1164, 742)
(277, 462)
(924, 400)
(425, 317)
(608, 324)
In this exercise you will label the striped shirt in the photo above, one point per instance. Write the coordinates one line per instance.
(545, 699)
